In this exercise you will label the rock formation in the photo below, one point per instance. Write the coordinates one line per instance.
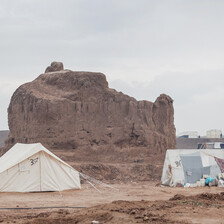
(54, 67)
(67, 109)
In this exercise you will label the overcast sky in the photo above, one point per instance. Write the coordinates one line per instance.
(144, 47)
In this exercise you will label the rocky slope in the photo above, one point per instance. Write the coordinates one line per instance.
(67, 109)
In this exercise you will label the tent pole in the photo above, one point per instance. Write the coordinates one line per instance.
(40, 169)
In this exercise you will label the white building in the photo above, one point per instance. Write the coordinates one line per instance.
(188, 134)
(214, 133)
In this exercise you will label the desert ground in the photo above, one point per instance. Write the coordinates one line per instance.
(135, 194)
(134, 202)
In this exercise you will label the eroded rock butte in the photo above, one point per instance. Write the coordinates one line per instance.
(68, 109)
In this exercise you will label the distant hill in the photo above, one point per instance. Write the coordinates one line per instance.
(3, 137)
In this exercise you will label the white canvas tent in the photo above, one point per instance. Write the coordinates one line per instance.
(31, 167)
(189, 165)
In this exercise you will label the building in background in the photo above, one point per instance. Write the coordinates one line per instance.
(3, 137)
(214, 133)
(188, 134)
(211, 145)
(192, 140)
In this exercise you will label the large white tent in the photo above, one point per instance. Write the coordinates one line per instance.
(31, 167)
(189, 165)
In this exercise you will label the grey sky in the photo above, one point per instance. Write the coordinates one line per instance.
(143, 47)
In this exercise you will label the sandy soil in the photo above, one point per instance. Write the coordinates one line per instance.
(136, 196)
(133, 202)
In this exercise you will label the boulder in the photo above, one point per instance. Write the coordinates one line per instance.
(54, 67)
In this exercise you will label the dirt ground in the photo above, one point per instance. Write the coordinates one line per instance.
(135, 197)
(134, 202)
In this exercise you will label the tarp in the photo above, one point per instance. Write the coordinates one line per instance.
(32, 167)
(189, 165)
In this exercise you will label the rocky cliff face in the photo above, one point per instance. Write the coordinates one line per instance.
(67, 109)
